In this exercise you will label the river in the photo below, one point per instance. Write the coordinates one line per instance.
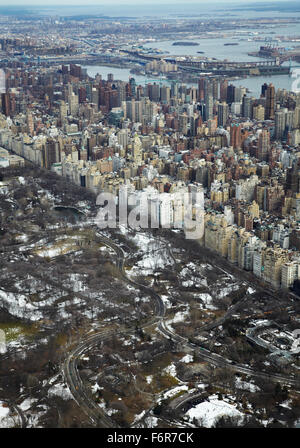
(253, 83)
(215, 48)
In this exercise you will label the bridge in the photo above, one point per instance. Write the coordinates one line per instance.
(291, 56)
(219, 64)
(277, 62)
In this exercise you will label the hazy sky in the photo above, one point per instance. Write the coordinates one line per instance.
(119, 2)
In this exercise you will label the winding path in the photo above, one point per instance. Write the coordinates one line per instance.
(70, 366)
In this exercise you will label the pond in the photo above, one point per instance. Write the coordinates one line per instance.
(69, 213)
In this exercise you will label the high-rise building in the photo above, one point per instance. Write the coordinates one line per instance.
(201, 89)
(174, 89)
(223, 90)
(95, 97)
(165, 94)
(73, 104)
(239, 92)
(264, 89)
(82, 94)
(75, 70)
(133, 86)
(247, 107)
(208, 99)
(215, 89)
(270, 102)
(30, 124)
(208, 88)
(296, 123)
(236, 136)
(5, 104)
(279, 124)
(154, 92)
(289, 120)
(263, 145)
(223, 112)
(230, 94)
(209, 106)
(258, 113)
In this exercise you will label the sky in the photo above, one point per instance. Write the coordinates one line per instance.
(28, 3)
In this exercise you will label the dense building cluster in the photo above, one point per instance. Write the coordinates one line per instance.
(240, 152)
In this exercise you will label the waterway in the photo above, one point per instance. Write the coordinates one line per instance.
(215, 48)
(253, 84)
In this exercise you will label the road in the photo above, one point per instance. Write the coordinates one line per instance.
(70, 367)
(76, 386)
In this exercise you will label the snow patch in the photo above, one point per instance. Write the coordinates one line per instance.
(61, 391)
(187, 359)
(209, 412)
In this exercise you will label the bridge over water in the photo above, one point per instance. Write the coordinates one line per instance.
(218, 64)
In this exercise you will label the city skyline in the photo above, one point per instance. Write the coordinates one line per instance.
(150, 217)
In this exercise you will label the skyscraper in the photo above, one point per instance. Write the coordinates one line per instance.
(133, 86)
(209, 106)
(223, 90)
(264, 89)
(258, 113)
(201, 89)
(5, 104)
(215, 89)
(247, 107)
(236, 136)
(270, 102)
(165, 94)
(208, 99)
(279, 124)
(174, 89)
(263, 145)
(230, 94)
(154, 92)
(223, 112)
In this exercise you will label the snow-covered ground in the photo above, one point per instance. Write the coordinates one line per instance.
(187, 359)
(180, 316)
(75, 281)
(170, 393)
(154, 255)
(191, 275)
(19, 306)
(209, 412)
(27, 403)
(32, 417)
(166, 301)
(60, 390)
(151, 422)
(226, 290)
(53, 250)
(6, 421)
(171, 370)
(207, 300)
(244, 385)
